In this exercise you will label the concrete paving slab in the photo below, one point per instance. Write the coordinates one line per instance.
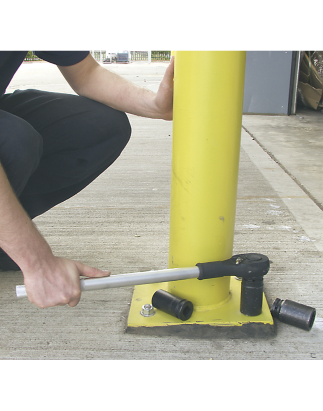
(120, 222)
(304, 208)
(296, 143)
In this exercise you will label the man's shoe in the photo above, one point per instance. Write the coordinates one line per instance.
(6, 263)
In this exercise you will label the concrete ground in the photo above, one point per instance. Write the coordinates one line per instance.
(120, 222)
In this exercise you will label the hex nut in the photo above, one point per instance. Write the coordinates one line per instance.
(147, 310)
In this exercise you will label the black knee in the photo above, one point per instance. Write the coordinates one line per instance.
(123, 128)
(114, 124)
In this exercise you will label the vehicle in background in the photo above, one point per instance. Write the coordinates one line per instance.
(120, 57)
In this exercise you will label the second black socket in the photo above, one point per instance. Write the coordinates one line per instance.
(168, 303)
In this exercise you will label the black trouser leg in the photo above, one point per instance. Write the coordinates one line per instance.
(21, 149)
(71, 140)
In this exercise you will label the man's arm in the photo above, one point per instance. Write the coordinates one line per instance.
(89, 79)
(49, 280)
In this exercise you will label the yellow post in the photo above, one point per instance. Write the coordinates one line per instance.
(208, 101)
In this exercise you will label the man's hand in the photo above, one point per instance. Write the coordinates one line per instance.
(164, 97)
(57, 282)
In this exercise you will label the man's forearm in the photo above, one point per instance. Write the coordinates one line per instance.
(19, 237)
(123, 95)
(49, 280)
(89, 79)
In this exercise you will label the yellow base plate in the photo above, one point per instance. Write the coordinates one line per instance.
(225, 319)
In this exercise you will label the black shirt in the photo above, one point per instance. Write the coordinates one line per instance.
(10, 61)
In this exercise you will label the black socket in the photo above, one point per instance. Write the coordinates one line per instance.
(168, 303)
(292, 313)
(251, 296)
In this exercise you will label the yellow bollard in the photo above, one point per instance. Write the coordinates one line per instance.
(206, 146)
(208, 102)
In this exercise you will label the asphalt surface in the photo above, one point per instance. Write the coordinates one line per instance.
(120, 222)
